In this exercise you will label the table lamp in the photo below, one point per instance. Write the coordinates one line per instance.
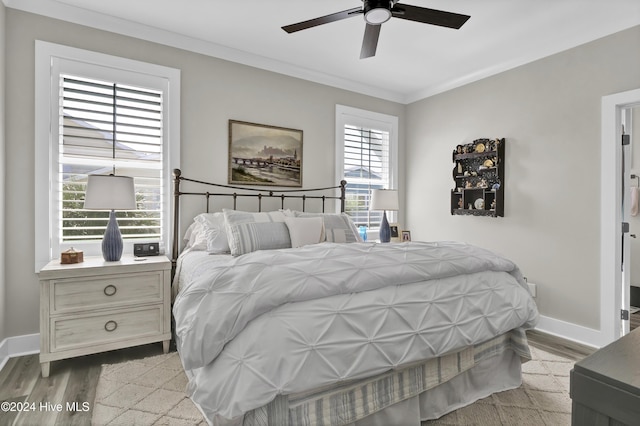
(384, 199)
(110, 192)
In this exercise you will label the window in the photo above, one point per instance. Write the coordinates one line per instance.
(109, 127)
(98, 114)
(366, 147)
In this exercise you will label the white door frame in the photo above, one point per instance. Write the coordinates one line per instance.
(611, 213)
(625, 286)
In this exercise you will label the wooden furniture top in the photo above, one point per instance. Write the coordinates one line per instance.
(617, 364)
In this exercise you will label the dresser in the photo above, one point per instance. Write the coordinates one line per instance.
(605, 386)
(97, 306)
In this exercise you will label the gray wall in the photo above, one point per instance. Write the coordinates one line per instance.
(2, 173)
(549, 113)
(213, 91)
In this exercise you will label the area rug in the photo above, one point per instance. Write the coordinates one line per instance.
(150, 391)
(543, 398)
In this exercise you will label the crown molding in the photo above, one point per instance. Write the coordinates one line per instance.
(76, 15)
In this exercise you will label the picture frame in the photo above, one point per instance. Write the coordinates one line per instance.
(406, 235)
(265, 155)
(395, 232)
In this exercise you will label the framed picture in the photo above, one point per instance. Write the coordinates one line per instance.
(395, 232)
(406, 235)
(264, 155)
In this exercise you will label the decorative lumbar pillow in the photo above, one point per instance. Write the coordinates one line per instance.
(248, 232)
(305, 230)
(214, 232)
(338, 227)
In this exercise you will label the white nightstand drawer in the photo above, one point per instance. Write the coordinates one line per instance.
(80, 331)
(97, 306)
(74, 294)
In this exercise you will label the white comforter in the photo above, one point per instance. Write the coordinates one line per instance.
(284, 321)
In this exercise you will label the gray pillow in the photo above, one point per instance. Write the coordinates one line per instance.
(248, 232)
(338, 227)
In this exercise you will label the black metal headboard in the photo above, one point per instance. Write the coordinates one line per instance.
(282, 194)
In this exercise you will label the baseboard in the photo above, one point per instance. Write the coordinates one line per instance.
(575, 333)
(18, 346)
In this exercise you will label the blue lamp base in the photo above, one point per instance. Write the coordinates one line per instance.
(385, 229)
(112, 241)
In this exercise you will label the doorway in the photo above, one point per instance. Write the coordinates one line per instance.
(631, 212)
(614, 297)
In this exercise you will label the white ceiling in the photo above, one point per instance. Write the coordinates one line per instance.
(413, 60)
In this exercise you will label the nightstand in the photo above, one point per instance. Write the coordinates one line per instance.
(97, 306)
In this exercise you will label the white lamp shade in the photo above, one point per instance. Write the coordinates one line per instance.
(110, 192)
(384, 199)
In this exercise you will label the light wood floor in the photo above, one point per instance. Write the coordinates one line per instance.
(75, 380)
(71, 380)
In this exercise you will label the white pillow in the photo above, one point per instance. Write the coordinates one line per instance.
(214, 232)
(338, 227)
(187, 235)
(248, 232)
(197, 239)
(305, 230)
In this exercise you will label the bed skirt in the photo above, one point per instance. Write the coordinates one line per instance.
(417, 392)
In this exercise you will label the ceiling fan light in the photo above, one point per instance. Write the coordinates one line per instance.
(377, 16)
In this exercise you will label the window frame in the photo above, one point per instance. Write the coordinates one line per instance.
(346, 115)
(51, 60)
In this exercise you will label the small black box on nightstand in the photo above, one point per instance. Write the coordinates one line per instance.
(145, 249)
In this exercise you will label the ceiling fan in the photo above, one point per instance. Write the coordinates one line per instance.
(377, 12)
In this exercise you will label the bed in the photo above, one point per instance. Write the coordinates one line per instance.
(324, 329)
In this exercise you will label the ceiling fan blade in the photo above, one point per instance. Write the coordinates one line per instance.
(370, 41)
(429, 16)
(322, 20)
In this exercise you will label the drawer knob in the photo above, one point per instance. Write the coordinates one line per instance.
(110, 290)
(110, 326)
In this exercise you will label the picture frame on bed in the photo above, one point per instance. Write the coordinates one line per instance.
(264, 155)
(406, 236)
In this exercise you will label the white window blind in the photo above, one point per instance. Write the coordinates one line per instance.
(366, 167)
(108, 127)
(366, 157)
